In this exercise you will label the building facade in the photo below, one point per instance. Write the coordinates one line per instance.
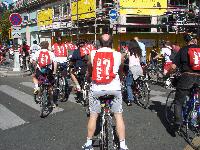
(151, 20)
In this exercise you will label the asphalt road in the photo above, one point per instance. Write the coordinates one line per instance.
(21, 128)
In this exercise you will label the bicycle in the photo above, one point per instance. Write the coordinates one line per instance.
(82, 96)
(190, 113)
(141, 91)
(43, 97)
(107, 138)
(61, 82)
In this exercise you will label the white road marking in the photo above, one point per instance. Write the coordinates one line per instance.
(8, 119)
(23, 98)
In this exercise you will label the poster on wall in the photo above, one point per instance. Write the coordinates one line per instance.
(84, 8)
(143, 7)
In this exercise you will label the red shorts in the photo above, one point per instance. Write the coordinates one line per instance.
(167, 66)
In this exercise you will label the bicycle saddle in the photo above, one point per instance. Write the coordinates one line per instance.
(106, 97)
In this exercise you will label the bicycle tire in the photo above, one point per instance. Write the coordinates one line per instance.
(144, 94)
(191, 130)
(102, 140)
(45, 109)
(169, 108)
(110, 134)
(153, 75)
(85, 94)
(64, 87)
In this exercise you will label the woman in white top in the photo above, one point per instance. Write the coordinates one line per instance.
(135, 69)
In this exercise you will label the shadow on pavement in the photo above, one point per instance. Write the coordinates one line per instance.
(159, 108)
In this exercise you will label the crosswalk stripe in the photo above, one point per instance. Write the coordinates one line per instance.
(153, 92)
(8, 119)
(24, 98)
(31, 85)
(28, 84)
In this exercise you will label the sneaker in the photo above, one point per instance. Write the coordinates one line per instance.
(123, 148)
(90, 147)
(36, 90)
(129, 103)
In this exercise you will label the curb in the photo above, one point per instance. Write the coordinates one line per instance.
(13, 73)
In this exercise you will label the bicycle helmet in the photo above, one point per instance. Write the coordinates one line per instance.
(189, 37)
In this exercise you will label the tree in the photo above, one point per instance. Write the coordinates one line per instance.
(5, 25)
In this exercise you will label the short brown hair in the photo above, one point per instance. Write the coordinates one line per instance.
(44, 45)
(106, 40)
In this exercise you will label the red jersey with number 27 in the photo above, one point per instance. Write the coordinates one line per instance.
(44, 59)
(103, 64)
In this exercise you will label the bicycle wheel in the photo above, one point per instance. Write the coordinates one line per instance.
(44, 104)
(153, 75)
(110, 138)
(85, 92)
(102, 140)
(169, 108)
(192, 131)
(144, 94)
(63, 89)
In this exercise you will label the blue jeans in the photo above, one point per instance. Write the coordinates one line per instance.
(129, 81)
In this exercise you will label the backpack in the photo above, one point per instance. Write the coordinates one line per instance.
(194, 58)
(173, 54)
(44, 59)
(103, 64)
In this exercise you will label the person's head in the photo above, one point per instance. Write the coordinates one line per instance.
(134, 48)
(35, 42)
(81, 43)
(106, 40)
(58, 40)
(167, 44)
(44, 45)
(190, 39)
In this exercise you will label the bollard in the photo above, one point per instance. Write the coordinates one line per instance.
(16, 61)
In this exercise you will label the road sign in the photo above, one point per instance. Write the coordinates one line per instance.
(15, 19)
(16, 31)
(113, 14)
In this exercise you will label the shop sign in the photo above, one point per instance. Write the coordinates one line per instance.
(84, 8)
(45, 17)
(143, 7)
(56, 25)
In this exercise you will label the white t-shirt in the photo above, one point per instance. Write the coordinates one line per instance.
(115, 83)
(166, 52)
(34, 48)
(133, 61)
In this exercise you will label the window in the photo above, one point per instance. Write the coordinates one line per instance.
(56, 11)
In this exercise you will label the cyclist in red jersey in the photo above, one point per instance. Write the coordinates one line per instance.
(45, 62)
(105, 66)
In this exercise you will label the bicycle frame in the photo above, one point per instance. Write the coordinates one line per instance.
(191, 105)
